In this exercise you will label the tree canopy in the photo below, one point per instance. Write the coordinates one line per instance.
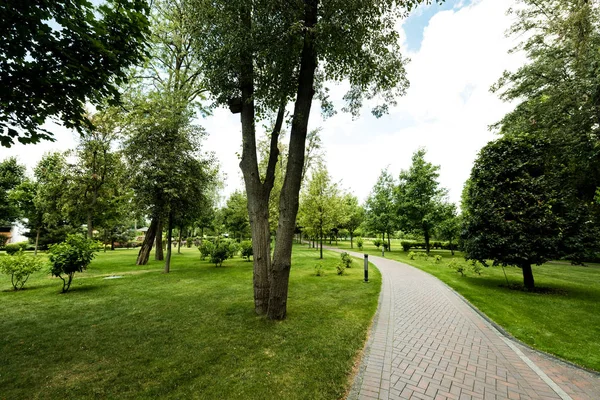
(56, 56)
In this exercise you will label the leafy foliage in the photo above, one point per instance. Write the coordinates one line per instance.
(346, 259)
(61, 55)
(206, 249)
(246, 248)
(381, 205)
(220, 253)
(72, 255)
(419, 198)
(20, 266)
(11, 175)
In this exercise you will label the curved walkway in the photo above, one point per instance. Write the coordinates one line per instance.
(428, 343)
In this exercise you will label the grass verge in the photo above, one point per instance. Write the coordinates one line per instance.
(188, 334)
(562, 318)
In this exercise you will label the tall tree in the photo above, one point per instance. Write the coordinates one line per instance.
(355, 215)
(419, 197)
(11, 176)
(449, 227)
(558, 95)
(321, 205)
(29, 203)
(170, 82)
(235, 215)
(380, 207)
(258, 57)
(59, 55)
(512, 206)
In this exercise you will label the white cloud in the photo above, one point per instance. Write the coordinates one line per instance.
(447, 109)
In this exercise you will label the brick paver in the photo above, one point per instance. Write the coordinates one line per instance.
(428, 343)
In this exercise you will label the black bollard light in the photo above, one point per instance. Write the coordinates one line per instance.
(366, 268)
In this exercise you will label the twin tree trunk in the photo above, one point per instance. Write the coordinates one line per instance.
(158, 252)
(271, 278)
(144, 253)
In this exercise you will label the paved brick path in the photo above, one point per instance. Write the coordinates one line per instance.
(427, 343)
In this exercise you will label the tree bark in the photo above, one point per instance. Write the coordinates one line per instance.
(144, 253)
(528, 276)
(90, 228)
(179, 243)
(426, 232)
(389, 242)
(451, 246)
(321, 246)
(289, 198)
(158, 252)
(351, 240)
(37, 241)
(169, 241)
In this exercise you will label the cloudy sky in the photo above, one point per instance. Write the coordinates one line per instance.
(457, 51)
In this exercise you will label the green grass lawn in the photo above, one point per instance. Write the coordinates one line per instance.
(188, 334)
(565, 321)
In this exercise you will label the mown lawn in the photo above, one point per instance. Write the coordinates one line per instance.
(564, 320)
(188, 334)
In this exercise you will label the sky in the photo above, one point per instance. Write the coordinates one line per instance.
(457, 51)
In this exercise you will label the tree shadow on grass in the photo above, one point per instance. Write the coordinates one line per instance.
(537, 289)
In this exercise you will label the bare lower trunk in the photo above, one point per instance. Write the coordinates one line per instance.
(389, 242)
(261, 240)
(90, 228)
(427, 247)
(321, 247)
(37, 241)
(351, 241)
(451, 246)
(528, 276)
(158, 252)
(169, 247)
(289, 197)
(179, 243)
(144, 253)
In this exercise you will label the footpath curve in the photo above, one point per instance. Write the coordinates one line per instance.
(427, 342)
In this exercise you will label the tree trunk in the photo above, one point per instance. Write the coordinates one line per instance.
(37, 240)
(169, 242)
(144, 253)
(90, 228)
(426, 232)
(451, 246)
(321, 247)
(351, 241)
(158, 252)
(261, 249)
(179, 243)
(389, 242)
(528, 276)
(289, 197)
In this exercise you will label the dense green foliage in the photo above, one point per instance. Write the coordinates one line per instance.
(72, 255)
(420, 200)
(59, 55)
(11, 175)
(19, 267)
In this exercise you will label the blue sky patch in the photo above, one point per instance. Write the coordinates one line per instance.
(415, 24)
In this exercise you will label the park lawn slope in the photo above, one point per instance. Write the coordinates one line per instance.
(188, 334)
(564, 319)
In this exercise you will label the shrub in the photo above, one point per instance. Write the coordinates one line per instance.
(437, 245)
(457, 266)
(12, 249)
(234, 249)
(406, 245)
(412, 255)
(20, 266)
(206, 248)
(72, 255)
(386, 246)
(247, 251)
(476, 267)
(188, 242)
(438, 259)
(346, 259)
(3, 240)
(219, 254)
(359, 243)
(319, 271)
(341, 269)
(422, 254)
(377, 242)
